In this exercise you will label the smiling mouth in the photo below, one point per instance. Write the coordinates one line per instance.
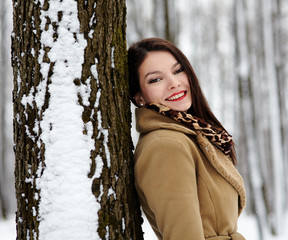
(177, 97)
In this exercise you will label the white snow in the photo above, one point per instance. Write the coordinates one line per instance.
(247, 226)
(112, 57)
(67, 209)
(105, 133)
(99, 166)
(8, 228)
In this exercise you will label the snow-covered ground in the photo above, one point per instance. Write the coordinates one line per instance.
(247, 227)
(8, 229)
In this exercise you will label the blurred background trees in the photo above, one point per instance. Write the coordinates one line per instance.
(7, 196)
(240, 54)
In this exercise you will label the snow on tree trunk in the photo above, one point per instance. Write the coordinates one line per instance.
(73, 149)
(108, 110)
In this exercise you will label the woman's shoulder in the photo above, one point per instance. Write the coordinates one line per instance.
(166, 134)
(166, 140)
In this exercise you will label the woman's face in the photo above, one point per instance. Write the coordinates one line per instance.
(163, 80)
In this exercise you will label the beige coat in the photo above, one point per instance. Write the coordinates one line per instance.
(189, 190)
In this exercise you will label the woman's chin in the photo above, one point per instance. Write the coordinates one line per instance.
(180, 107)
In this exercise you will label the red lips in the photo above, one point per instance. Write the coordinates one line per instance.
(177, 96)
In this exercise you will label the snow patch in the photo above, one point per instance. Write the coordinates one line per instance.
(105, 133)
(67, 209)
(112, 57)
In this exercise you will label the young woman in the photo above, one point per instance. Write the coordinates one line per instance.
(185, 172)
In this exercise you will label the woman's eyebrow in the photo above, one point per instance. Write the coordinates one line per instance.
(155, 72)
(174, 65)
(150, 73)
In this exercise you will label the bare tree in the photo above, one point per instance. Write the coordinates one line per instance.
(152, 19)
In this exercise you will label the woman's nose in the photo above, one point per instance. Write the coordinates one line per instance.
(173, 82)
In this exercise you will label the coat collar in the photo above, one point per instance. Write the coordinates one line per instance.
(148, 120)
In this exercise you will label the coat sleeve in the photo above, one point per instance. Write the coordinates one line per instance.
(166, 174)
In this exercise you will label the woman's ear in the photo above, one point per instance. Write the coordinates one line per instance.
(139, 99)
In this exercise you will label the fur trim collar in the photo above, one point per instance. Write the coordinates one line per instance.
(224, 166)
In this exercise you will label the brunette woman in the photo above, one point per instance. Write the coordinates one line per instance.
(185, 172)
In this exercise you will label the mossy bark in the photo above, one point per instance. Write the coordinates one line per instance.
(119, 214)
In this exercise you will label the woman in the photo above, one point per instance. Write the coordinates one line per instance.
(185, 176)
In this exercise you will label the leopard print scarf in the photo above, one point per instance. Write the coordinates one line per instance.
(218, 137)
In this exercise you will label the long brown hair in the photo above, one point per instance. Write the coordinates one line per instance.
(200, 107)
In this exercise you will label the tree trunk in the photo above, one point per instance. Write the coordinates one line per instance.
(73, 148)
(108, 111)
(170, 20)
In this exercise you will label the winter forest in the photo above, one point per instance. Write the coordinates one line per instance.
(239, 52)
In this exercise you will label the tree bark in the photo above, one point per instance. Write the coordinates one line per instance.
(107, 49)
(107, 110)
(27, 76)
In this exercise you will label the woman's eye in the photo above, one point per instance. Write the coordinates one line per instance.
(179, 70)
(154, 80)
